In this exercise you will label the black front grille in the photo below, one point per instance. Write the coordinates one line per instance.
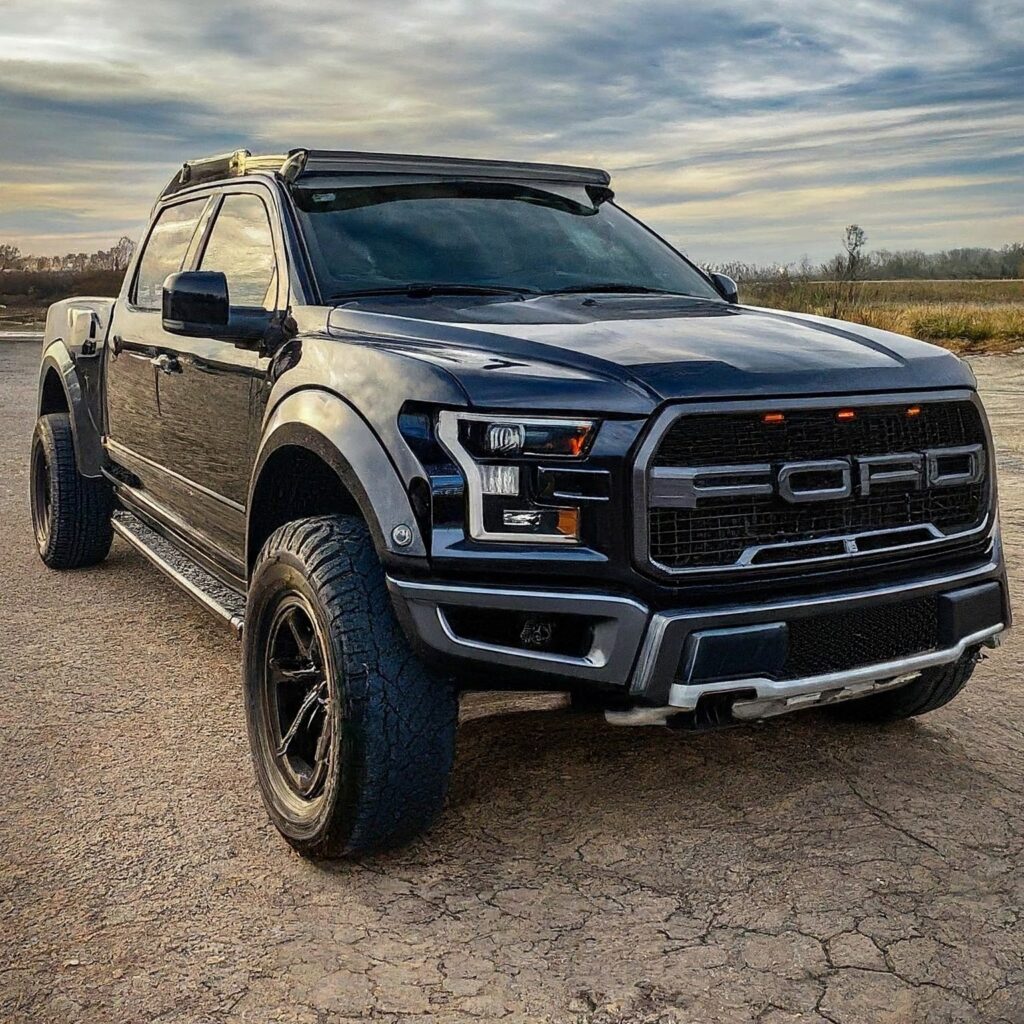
(719, 530)
(865, 636)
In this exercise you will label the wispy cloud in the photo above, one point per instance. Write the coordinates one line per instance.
(739, 129)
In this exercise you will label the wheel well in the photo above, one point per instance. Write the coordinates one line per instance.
(52, 397)
(294, 483)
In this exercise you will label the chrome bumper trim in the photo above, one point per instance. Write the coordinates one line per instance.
(686, 695)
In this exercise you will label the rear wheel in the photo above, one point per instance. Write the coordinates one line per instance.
(352, 735)
(70, 512)
(930, 690)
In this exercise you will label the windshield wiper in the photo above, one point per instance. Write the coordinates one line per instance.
(633, 289)
(416, 290)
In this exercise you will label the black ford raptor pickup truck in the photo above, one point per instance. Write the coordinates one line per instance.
(418, 425)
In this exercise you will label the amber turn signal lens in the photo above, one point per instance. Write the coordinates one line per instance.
(773, 417)
(569, 522)
(846, 414)
(576, 442)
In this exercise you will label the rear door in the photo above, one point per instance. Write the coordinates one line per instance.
(134, 435)
(210, 406)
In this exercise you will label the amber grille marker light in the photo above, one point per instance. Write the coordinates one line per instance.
(846, 414)
(914, 410)
(773, 417)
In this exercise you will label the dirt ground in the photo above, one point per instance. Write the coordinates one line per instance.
(799, 871)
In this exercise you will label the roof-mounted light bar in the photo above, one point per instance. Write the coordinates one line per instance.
(309, 162)
(326, 161)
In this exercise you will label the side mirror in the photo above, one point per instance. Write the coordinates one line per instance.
(726, 287)
(196, 303)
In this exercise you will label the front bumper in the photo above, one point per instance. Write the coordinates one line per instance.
(676, 657)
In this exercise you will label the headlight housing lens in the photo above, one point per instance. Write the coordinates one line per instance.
(496, 455)
(490, 437)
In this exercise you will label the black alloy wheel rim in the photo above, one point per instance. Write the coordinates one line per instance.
(297, 698)
(41, 496)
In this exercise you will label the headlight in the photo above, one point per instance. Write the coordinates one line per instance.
(497, 455)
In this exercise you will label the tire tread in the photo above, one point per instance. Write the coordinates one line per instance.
(80, 520)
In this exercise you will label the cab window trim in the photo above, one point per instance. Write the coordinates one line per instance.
(280, 268)
(201, 224)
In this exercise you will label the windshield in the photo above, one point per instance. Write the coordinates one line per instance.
(483, 238)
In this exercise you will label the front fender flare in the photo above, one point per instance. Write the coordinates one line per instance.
(84, 431)
(326, 424)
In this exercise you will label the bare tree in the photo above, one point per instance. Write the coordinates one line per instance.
(10, 256)
(848, 267)
(121, 253)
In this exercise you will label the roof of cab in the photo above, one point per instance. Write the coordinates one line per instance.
(299, 163)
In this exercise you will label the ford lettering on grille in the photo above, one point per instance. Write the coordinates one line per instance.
(818, 480)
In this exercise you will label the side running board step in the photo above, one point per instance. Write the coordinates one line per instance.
(223, 602)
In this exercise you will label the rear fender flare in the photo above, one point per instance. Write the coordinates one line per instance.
(327, 425)
(86, 434)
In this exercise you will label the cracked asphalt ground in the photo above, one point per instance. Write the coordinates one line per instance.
(804, 870)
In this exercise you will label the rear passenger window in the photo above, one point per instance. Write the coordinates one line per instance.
(242, 248)
(165, 250)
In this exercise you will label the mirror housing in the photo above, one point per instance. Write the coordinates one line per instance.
(726, 287)
(196, 304)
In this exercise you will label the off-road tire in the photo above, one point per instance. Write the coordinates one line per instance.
(930, 690)
(393, 720)
(70, 512)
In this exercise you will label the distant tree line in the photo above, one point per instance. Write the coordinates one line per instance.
(855, 263)
(33, 282)
(850, 264)
(116, 258)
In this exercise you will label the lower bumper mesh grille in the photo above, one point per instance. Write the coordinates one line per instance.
(865, 636)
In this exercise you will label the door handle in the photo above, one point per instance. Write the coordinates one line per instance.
(166, 363)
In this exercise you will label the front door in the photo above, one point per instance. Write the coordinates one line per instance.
(210, 401)
(137, 349)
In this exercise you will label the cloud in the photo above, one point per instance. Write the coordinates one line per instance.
(739, 130)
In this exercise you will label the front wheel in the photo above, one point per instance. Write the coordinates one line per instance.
(352, 736)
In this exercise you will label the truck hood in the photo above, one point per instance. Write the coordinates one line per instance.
(667, 347)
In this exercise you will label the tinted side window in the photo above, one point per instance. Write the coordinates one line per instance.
(165, 250)
(242, 248)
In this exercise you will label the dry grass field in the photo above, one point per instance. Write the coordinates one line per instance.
(969, 317)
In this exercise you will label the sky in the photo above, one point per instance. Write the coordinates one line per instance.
(739, 130)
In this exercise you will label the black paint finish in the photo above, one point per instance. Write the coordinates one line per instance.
(198, 418)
